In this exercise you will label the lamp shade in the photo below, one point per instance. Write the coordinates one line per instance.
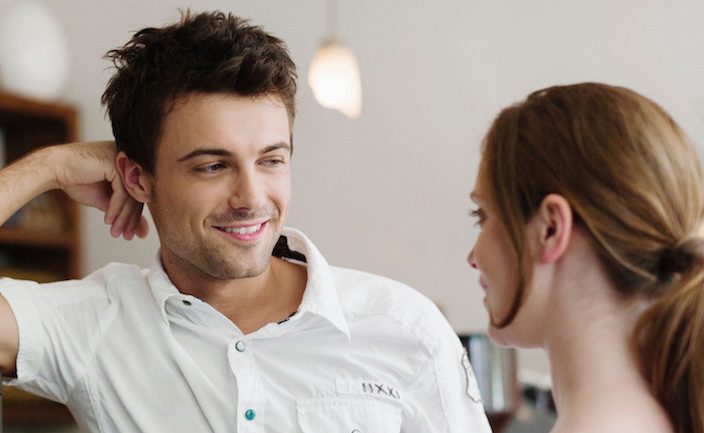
(335, 80)
(33, 51)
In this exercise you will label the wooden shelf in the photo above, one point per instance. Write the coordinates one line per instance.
(27, 124)
(19, 108)
(23, 409)
(36, 238)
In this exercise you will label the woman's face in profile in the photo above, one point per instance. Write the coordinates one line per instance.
(492, 254)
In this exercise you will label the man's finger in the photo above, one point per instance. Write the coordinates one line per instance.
(121, 224)
(118, 197)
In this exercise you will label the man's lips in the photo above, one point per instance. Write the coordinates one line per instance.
(244, 232)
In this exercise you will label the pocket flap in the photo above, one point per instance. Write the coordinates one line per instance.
(348, 415)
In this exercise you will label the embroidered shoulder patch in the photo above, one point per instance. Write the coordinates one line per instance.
(472, 386)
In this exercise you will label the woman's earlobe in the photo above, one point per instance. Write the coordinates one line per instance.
(555, 216)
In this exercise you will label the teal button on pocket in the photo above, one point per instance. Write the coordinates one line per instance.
(250, 414)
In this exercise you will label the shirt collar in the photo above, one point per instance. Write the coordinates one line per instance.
(320, 295)
(161, 286)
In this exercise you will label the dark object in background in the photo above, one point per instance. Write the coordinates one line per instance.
(540, 398)
(496, 374)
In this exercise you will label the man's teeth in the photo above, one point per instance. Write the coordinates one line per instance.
(242, 230)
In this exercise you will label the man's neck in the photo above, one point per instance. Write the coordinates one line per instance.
(250, 303)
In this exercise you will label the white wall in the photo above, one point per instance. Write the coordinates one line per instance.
(387, 193)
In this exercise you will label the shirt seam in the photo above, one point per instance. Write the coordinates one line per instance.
(25, 356)
(443, 394)
(417, 333)
(99, 419)
(96, 339)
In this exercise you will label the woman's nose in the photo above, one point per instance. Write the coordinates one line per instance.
(470, 259)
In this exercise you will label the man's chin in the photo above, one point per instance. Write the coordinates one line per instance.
(228, 272)
(228, 263)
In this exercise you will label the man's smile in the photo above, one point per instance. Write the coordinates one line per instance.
(248, 233)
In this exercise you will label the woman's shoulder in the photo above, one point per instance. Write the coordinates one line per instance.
(619, 425)
(618, 415)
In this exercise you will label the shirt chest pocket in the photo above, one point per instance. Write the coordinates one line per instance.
(348, 415)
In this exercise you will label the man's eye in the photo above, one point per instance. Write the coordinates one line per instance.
(272, 162)
(211, 168)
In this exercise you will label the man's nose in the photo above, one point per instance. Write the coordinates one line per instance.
(246, 190)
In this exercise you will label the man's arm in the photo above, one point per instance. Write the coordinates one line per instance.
(9, 338)
(87, 173)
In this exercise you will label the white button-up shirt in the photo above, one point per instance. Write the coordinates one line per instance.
(127, 352)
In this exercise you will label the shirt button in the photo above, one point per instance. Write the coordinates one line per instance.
(186, 302)
(250, 414)
(240, 346)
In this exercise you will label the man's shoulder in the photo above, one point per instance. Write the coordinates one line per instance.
(117, 272)
(118, 280)
(366, 294)
(112, 281)
(353, 284)
(100, 278)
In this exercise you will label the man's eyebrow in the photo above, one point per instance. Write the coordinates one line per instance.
(227, 153)
(205, 151)
(276, 146)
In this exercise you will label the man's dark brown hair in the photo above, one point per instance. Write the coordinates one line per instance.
(209, 52)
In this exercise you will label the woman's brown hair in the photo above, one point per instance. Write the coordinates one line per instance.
(635, 184)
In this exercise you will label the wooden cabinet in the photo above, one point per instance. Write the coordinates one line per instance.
(41, 242)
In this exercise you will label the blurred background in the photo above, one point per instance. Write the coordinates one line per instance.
(387, 191)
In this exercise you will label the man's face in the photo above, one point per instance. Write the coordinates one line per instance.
(221, 185)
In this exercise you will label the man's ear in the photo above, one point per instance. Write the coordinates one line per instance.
(554, 220)
(136, 180)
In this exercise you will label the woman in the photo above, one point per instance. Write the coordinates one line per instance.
(590, 203)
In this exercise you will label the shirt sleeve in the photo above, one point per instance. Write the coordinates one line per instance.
(56, 333)
(446, 395)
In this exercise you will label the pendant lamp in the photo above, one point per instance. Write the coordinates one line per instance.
(334, 75)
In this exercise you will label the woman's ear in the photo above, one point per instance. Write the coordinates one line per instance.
(135, 179)
(554, 220)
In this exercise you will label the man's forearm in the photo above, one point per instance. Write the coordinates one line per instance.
(24, 180)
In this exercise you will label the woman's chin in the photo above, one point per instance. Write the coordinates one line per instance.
(498, 336)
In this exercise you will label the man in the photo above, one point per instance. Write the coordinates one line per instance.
(240, 325)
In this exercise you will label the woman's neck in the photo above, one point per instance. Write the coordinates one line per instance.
(597, 383)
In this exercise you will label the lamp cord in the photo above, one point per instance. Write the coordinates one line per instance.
(332, 19)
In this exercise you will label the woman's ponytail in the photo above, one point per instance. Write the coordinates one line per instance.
(669, 337)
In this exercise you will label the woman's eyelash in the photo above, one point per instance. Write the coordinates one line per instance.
(478, 214)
